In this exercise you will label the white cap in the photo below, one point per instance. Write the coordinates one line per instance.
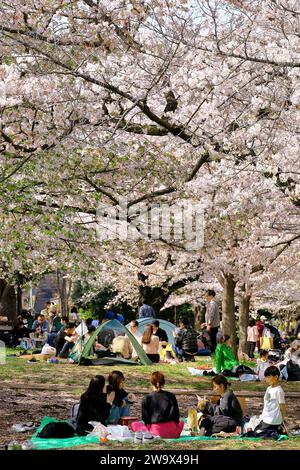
(263, 318)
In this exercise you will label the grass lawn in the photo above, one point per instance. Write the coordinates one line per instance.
(71, 380)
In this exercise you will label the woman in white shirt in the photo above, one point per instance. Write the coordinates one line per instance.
(252, 337)
(133, 328)
(150, 344)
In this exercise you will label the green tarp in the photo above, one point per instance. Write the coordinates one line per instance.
(46, 444)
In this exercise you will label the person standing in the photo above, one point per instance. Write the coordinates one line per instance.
(252, 337)
(146, 311)
(212, 317)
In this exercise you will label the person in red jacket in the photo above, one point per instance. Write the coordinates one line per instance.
(260, 326)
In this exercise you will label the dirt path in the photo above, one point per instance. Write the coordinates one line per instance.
(24, 404)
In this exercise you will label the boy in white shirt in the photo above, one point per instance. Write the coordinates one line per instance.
(274, 402)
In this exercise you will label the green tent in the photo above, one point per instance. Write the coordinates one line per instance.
(110, 329)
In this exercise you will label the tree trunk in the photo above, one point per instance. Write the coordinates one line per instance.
(64, 290)
(228, 318)
(19, 299)
(154, 296)
(157, 296)
(199, 314)
(8, 301)
(244, 307)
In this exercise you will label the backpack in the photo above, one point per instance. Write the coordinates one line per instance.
(293, 370)
(57, 430)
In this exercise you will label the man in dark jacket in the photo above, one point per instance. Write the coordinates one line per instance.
(186, 345)
(157, 331)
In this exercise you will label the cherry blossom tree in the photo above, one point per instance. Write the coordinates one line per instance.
(153, 101)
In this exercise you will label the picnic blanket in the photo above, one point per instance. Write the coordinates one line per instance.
(45, 444)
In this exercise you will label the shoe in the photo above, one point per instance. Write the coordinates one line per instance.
(138, 437)
(23, 427)
(147, 437)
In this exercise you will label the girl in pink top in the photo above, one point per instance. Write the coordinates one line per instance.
(150, 344)
(252, 337)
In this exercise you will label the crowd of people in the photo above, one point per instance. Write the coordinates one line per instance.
(108, 403)
(63, 333)
(160, 412)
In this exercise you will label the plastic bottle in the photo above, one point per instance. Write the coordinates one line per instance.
(14, 445)
(28, 445)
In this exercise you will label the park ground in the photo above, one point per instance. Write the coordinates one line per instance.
(29, 391)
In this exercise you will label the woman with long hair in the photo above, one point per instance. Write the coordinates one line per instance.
(94, 406)
(122, 399)
(150, 344)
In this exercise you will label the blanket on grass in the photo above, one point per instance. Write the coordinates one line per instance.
(45, 444)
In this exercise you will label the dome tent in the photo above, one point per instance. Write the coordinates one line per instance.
(108, 330)
(163, 324)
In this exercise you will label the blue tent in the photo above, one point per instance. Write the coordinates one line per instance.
(163, 324)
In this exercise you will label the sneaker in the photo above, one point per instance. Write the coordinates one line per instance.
(138, 437)
(23, 427)
(147, 437)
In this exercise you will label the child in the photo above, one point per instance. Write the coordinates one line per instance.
(94, 406)
(167, 353)
(252, 337)
(227, 406)
(285, 341)
(262, 364)
(274, 402)
(121, 404)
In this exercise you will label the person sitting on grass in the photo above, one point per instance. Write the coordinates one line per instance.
(227, 406)
(64, 340)
(150, 344)
(225, 358)
(262, 364)
(122, 345)
(157, 331)
(274, 403)
(94, 406)
(186, 345)
(122, 400)
(160, 412)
